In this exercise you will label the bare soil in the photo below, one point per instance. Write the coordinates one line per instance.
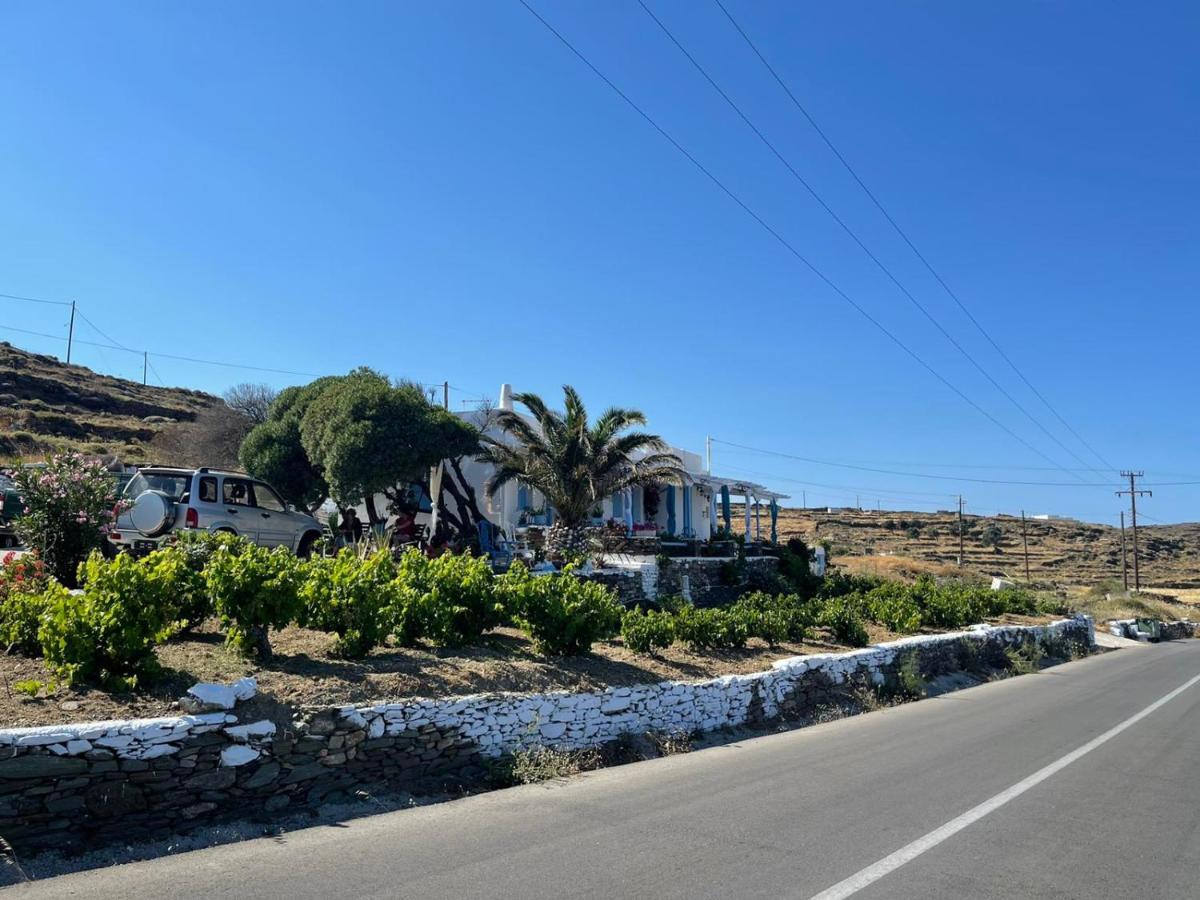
(302, 673)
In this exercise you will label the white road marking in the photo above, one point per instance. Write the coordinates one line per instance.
(909, 852)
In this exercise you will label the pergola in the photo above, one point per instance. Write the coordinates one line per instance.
(753, 493)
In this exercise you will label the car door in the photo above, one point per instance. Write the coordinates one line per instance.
(237, 502)
(274, 522)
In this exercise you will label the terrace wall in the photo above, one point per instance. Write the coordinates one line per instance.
(640, 580)
(69, 785)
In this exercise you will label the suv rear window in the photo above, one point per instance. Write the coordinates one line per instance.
(172, 484)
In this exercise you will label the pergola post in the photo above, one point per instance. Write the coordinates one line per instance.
(749, 500)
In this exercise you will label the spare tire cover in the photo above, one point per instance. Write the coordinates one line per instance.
(152, 513)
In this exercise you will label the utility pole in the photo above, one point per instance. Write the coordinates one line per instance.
(70, 332)
(804, 499)
(1134, 493)
(708, 454)
(1124, 563)
(1025, 544)
(145, 364)
(445, 395)
(960, 531)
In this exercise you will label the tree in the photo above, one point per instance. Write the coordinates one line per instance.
(273, 451)
(366, 434)
(575, 464)
(251, 400)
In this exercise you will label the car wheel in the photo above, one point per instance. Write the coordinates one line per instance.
(307, 543)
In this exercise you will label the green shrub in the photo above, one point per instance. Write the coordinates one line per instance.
(843, 618)
(451, 599)
(351, 597)
(23, 583)
(254, 590)
(839, 584)
(68, 503)
(707, 629)
(645, 632)
(775, 618)
(893, 604)
(561, 613)
(106, 634)
(179, 586)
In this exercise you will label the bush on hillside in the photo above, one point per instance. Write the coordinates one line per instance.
(451, 599)
(893, 604)
(712, 629)
(106, 633)
(351, 597)
(843, 618)
(252, 591)
(775, 618)
(646, 632)
(561, 613)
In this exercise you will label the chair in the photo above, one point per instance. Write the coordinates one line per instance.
(494, 545)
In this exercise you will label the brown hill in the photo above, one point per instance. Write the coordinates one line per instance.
(47, 405)
(1065, 551)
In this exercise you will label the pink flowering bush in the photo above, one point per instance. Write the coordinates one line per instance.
(68, 503)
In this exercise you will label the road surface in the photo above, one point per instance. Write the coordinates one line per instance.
(1075, 782)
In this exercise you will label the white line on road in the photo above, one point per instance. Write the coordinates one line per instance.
(909, 852)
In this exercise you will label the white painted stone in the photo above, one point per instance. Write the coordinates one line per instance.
(254, 731)
(552, 731)
(245, 688)
(214, 696)
(78, 746)
(377, 727)
(238, 755)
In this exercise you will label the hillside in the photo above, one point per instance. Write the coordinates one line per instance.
(1060, 550)
(47, 405)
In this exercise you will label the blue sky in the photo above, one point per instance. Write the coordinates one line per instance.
(443, 191)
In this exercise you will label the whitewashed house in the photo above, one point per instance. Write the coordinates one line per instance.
(696, 509)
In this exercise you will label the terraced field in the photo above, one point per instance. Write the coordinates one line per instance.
(1065, 551)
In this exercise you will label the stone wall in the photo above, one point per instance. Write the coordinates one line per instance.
(64, 786)
(641, 580)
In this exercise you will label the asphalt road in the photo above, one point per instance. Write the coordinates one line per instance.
(796, 813)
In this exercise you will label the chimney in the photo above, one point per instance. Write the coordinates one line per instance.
(506, 396)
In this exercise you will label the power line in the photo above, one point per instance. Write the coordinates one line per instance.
(852, 234)
(191, 359)
(904, 236)
(779, 237)
(881, 471)
(36, 300)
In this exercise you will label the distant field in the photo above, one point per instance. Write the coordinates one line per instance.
(1062, 551)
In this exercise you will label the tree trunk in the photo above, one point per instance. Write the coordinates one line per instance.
(262, 641)
(372, 513)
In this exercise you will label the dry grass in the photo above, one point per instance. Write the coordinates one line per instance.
(902, 568)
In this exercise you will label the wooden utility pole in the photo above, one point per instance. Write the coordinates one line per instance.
(960, 531)
(1134, 493)
(1124, 563)
(145, 363)
(1025, 545)
(71, 332)
(445, 395)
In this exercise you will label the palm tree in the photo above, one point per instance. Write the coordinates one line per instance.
(573, 464)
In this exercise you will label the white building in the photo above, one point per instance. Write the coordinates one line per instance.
(695, 509)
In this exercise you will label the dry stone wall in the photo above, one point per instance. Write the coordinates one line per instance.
(67, 785)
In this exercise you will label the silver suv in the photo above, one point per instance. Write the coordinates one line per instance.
(161, 500)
